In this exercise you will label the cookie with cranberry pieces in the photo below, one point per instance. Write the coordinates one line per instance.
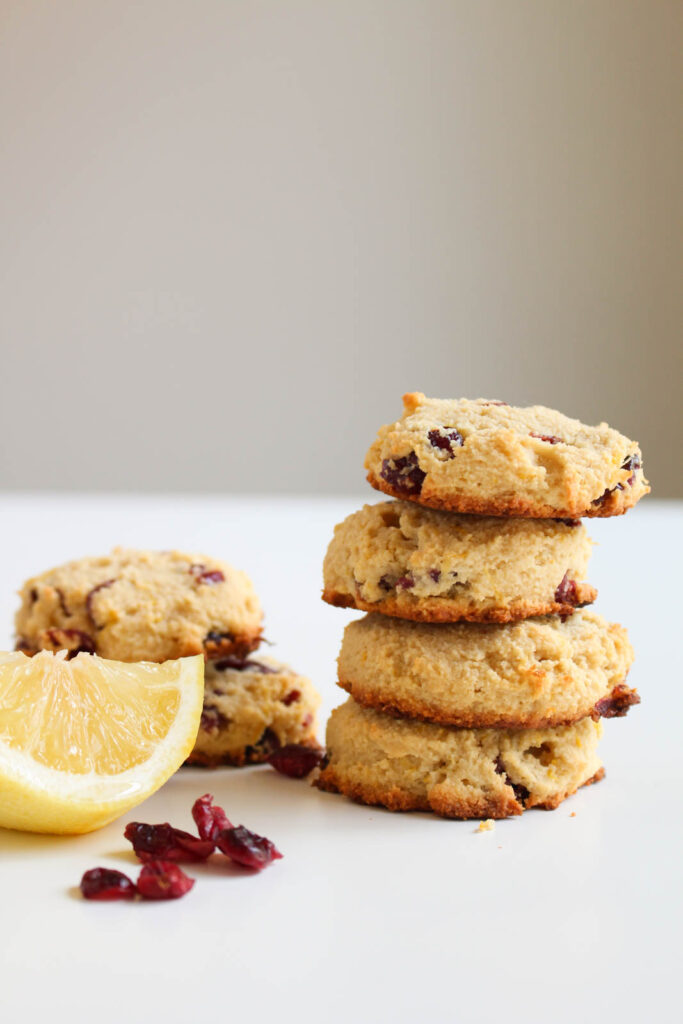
(140, 606)
(407, 765)
(253, 707)
(417, 563)
(490, 458)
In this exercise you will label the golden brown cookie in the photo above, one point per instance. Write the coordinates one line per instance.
(490, 458)
(458, 773)
(140, 606)
(530, 674)
(421, 564)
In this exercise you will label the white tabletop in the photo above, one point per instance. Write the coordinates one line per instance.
(370, 916)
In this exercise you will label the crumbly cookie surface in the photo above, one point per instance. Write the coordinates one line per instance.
(458, 773)
(252, 707)
(490, 458)
(540, 672)
(422, 564)
(140, 606)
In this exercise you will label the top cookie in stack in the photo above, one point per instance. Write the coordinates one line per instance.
(501, 712)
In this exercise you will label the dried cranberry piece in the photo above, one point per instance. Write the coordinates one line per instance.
(617, 704)
(243, 665)
(444, 438)
(497, 403)
(63, 638)
(246, 848)
(633, 463)
(291, 698)
(405, 582)
(403, 474)
(385, 583)
(212, 719)
(520, 791)
(89, 597)
(435, 574)
(296, 760)
(566, 592)
(163, 880)
(550, 438)
(163, 842)
(204, 575)
(209, 820)
(265, 745)
(62, 603)
(106, 884)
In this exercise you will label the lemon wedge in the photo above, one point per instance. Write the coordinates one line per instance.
(83, 741)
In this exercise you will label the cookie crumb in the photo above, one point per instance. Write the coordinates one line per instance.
(486, 826)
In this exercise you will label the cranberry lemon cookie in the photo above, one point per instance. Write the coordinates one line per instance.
(252, 708)
(490, 458)
(458, 773)
(140, 606)
(530, 674)
(417, 563)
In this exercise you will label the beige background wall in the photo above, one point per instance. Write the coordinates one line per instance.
(233, 233)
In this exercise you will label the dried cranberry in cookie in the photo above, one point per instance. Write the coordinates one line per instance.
(141, 606)
(490, 458)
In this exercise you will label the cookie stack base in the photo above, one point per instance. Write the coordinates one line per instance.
(406, 765)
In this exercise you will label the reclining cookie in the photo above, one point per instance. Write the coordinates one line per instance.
(537, 673)
(140, 606)
(415, 563)
(458, 773)
(251, 708)
(490, 458)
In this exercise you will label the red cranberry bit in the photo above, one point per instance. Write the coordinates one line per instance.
(566, 592)
(204, 575)
(403, 474)
(162, 880)
(209, 820)
(295, 760)
(444, 438)
(497, 403)
(89, 600)
(247, 848)
(105, 884)
(74, 640)
(62, 603)
(617, 704)
(405, 582)
(291, 698)
(385, 583)
(163, 842)
(550, 438)
(632, 463)
(244, 665)
(212, 719)
(520, 791)
(435, 574)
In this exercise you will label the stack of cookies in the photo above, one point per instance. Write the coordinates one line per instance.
(158, 605)
(479, 678)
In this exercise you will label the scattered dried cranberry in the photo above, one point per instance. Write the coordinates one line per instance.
(403, 474)
(89, 600)
(444, 438)
(385, 583)
(212, 719)
(520, 791)
(405, 582)
(296, 760)
(243, 665)
(105, 884)
(204, 575)
(163, 880)
(617, 704)
(209, 820)
(633, 463)
(62, 603)
(566, 592)
(291, 698)
(246, 848)
(163, 842)
(64, 638)
(435, 574)
(550, 438)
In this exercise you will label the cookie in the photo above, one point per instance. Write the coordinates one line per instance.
(458, 773)
(530, 674)
(417, 563)
(250, 709)
(140, 606)
(490, 458)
